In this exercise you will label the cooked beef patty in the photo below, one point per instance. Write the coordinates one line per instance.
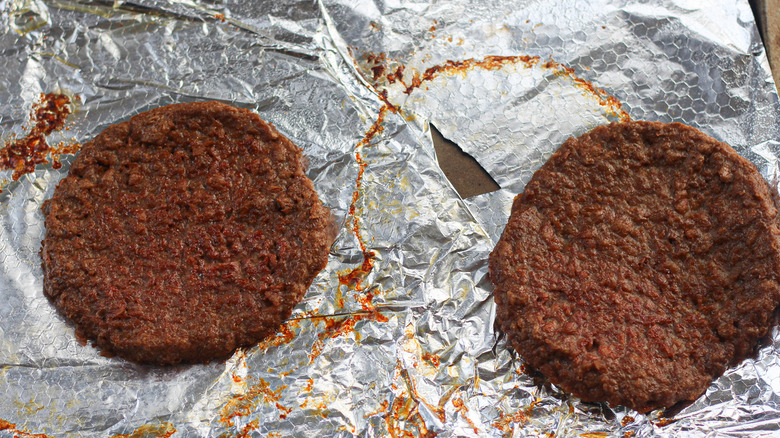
(182, 234)
(640, 262)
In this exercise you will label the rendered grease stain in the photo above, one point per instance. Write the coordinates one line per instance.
(355, 276)
(354, 279)
(336, 326)
(29, 408)
(522, 417)
(247, 430)
(248, 392)
(19, 433)
(377, 63)
(284, 335)
(163, 430)
(404, 419)
(431, 358)
(462, 409)
(382, 409)
(609, 102)
(256, 391)
(664, 422)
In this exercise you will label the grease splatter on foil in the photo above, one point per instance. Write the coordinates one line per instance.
(395, 337)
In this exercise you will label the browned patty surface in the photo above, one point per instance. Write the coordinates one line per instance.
(182, 234)
(640, 262)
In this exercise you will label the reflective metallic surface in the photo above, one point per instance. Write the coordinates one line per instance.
(395, 337)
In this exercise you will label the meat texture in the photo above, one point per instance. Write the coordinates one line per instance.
(641, 261)
(182, 234)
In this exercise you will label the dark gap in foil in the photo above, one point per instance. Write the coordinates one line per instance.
(757, 7)
(460, 168)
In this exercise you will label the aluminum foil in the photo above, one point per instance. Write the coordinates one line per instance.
(405, 347)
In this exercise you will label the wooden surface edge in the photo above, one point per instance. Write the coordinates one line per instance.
(769, 11)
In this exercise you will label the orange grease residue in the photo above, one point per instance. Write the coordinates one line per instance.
(594, 435)
(626, 420)
(378, 71)
(248, 429)
(336, 327)
(382, 409)
(520, 416)
(431, 358)
(489, 63)
(322, 408)
(397, 75)
(244, 404)
(283, 336)
(403, 416)
(350, 428)
(609, 102)
(316, 350)
(19, 433)
(367, 302)
(287, 330)
(164, 430)
(628, 434)
(22, 155)
(343, 325)
(462, 409)
(220, 17)
(664, 422)
(353, 279)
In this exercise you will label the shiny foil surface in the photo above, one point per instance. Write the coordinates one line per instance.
(395, 337)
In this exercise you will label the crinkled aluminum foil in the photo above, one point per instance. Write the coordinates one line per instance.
(409, 348)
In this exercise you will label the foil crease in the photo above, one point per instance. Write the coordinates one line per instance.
(409, 348)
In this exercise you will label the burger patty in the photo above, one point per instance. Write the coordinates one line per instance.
(640, 262)
(182, 234)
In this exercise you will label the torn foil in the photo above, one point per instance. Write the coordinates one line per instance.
(395, 337)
